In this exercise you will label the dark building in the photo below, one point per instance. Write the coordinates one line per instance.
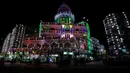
(117, 31)
(126, 30)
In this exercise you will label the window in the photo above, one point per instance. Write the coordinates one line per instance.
(77, 29)
(52, 29)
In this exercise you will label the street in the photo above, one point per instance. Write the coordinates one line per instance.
(15, 68)
(98, 64)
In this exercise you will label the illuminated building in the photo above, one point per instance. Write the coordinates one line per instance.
(6, 44)
(126, 28)
(61, 36)
(17, 36)
(115, 26)
(98, 48)
(14, 39)
(63, 33)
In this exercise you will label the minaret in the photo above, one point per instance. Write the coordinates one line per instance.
(64, 15)
(40, 28)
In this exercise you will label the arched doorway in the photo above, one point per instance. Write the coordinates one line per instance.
(60, 45)
(54, 45)
(67, 45)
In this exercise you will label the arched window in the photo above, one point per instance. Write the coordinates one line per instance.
(77, 29)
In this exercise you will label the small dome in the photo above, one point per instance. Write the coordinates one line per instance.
(64, 8)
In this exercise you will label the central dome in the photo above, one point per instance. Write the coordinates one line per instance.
(64, 15)
(64, 8)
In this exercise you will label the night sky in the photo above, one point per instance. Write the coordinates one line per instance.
(30, 14)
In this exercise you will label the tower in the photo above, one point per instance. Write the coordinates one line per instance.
(64, 15)
(17, 36)
(114, 28)
(6, 43)
(126, 31)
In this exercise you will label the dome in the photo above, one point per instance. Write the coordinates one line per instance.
(64, 12)
(64, 8)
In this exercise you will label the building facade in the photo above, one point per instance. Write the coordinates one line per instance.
(63, 36)
(15, 38)
(6, 44)
(63, 33)
(115, 28)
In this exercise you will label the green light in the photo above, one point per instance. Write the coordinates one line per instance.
(60, 20)
(66, 20)
(67, 26)
(88, 37)
(40, 28)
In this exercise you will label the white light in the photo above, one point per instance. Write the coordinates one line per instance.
(121, 40)
(63, 35)
(106, 32)
(91, 58)
(63, 26)
(113, 14)
(117, 26)
(119, 32)
(110, 31)
(112, 39)
(65, 53)
(56, 55)
(116, 36)
(71, 35)
(101, 50)
(124, 47)
(128, 26)
(71, 53)
(117, 39)
(112, 26)
(106, 17)
(83, 17)
(70, 26)
(125, 15)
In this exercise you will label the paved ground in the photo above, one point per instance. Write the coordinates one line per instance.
(88, 65)
(24, 68)
(51, 65)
